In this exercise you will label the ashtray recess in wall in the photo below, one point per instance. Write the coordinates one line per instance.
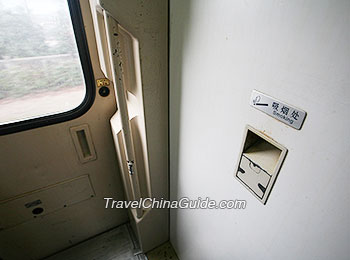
(260, 161)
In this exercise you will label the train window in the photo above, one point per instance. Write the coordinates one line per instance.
(45, 69)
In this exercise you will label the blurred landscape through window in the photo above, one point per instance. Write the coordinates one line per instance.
(40, 69)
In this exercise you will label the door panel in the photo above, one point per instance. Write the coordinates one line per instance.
(40, 158)
(137, 37)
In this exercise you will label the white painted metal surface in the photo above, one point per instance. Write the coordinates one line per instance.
(298, 52)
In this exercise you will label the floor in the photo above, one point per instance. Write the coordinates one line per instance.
(116, 244)
(163, 252)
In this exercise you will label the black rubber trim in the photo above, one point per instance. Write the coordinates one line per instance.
(79, 31)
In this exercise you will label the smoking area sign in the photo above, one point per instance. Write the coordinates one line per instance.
(279, 110)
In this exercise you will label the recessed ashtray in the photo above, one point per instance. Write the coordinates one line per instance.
(259, 163)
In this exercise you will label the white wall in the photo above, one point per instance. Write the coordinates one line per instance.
(298, 52)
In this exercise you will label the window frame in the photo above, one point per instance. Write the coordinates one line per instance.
(85, 61)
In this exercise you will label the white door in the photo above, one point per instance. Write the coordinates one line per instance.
(54, 176)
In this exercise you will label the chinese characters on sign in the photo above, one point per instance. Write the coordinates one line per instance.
(287, 114)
